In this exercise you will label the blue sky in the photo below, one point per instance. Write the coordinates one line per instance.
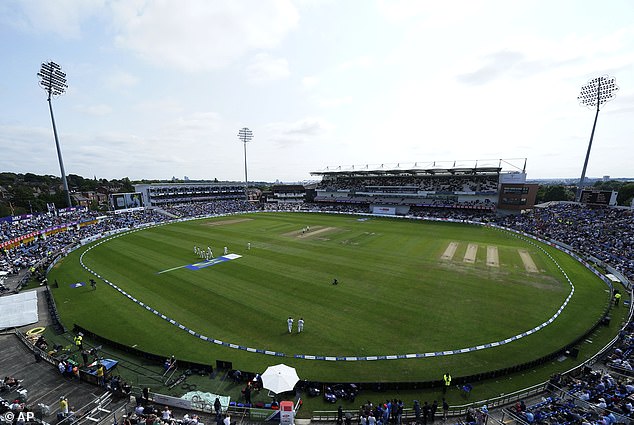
(160, 88)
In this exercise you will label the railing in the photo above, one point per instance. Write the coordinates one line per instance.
(52, 310)
(36, 351)
(251, 413)
(495, 402)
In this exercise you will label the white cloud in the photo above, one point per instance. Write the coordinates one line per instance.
(201, 35)
(433, 14)
(297, 132)
(383, 81)
(121, 80)
(398, 10)
(19, 143)
(334, 102)
(309, 82)
(528, 56)
(193, 145)
(62, 17)
(95, 110)
(361, 62)
(265, 68)
(195, 127)
(153, 107)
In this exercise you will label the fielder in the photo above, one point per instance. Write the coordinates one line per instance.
(300, 325)
(290, 324)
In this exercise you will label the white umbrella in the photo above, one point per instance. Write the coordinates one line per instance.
(279, 378)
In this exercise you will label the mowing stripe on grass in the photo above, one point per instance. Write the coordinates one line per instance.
(350, 358)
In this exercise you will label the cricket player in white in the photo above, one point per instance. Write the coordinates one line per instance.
(300, 325)
(290, 324)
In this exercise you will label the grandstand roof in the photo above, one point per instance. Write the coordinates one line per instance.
(340, 171)
(458, 167)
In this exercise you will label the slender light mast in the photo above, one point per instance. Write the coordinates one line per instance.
(245, 135)
(595, 93)
(53, 80)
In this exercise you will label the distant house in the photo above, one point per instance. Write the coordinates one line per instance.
(81, 200)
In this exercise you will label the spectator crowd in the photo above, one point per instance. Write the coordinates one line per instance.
(604, 233)
(431, 183)
(595, 397)
(72, 229)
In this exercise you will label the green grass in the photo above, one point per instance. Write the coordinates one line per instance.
(396, 296)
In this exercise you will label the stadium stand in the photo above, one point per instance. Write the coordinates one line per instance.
(606, 234)
(210, 208)
(601, 232)
(459, 188)
(162, 194)
(34, 242)
(600, 396)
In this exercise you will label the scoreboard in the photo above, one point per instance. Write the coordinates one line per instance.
(126, 201)
(598, 197)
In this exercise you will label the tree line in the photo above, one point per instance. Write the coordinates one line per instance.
(546, 193)
(26, 193)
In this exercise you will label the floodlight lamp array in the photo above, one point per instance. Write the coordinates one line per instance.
(598, 91)
(245, 135)
(52, 79)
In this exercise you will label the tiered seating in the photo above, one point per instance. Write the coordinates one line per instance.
(605, 233)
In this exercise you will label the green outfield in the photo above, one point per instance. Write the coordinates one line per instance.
(403, 287)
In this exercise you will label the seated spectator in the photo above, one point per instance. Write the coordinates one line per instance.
(16, 406)
(41, 343)
(126, 388)
(10, 381)
(139, 409)
(530, 418)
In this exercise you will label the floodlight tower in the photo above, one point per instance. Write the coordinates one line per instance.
(595, 93)
(53, 80)
(245, 135)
